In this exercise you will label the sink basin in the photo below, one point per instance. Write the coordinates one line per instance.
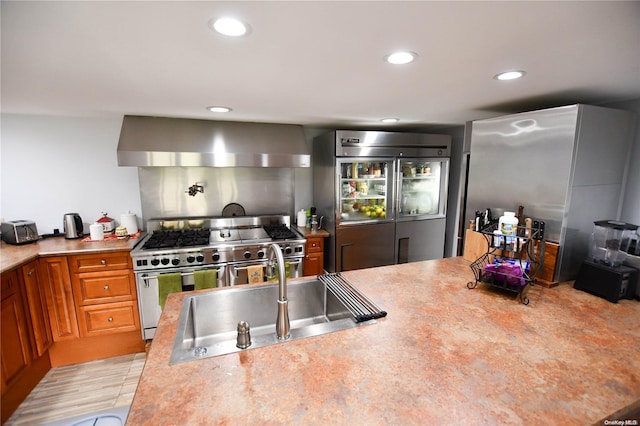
(208, 322)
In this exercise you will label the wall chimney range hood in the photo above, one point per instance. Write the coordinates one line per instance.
(162, 142)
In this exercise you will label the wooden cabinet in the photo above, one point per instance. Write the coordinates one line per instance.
(314, 257)
(36, 306)
(9, 284)
(26, 336)
(56, 282)
(100, 262)
(63, 310)
(104, 289)
(15, 351)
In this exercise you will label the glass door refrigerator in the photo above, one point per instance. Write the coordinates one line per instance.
(370, 207)
(421, 208)
(364, 212)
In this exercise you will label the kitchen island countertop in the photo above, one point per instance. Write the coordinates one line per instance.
(443, 354)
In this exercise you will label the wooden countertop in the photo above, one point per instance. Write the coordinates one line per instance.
(444, 354)
(307, 233)
(12, 255)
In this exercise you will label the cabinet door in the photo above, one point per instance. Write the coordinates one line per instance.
(14, 353)
(37, 308)
(56, 282)
(9, 284)
(314, 260)
(364, 246)
(314, 264)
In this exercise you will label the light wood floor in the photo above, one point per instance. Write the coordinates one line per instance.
(81, 389)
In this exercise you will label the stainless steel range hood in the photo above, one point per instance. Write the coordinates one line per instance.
(158, 141)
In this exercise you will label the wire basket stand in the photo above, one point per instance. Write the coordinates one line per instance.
(511, 262)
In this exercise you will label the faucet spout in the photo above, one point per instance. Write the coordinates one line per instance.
(283, 326)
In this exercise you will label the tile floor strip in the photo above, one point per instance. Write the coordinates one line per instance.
(81, 389)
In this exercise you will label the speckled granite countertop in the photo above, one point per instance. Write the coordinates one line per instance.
(444, 354)
(12, 255)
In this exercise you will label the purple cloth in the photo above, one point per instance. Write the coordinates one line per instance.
(508, 273)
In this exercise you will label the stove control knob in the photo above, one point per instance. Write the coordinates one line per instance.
(155, 261)
(200, 258)
(247, 254)
(287, 250)
(164, 261)
(260, 253)
(175, 261)
(190, 259)
(216, 256)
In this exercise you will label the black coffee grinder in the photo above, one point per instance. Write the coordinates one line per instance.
(603, 274)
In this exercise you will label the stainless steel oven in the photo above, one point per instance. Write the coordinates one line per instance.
(229, 245)
(148, 292)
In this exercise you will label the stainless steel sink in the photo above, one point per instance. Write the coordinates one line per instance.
(208, 322)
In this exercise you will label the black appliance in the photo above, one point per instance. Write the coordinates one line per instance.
(608, 282)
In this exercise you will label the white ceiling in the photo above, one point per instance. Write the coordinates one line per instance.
(316, 63)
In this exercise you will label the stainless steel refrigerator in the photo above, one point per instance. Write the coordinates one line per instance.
(567, 166)
(383, 196)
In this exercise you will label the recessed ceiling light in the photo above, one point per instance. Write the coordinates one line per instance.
(509, 75)
(400, 58)
(229, 26)
(219, 109)
(390, 120)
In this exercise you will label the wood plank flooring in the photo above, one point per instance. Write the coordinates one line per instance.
(81, 389)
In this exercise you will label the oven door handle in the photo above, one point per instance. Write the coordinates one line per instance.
(244, 268)
(146, 278)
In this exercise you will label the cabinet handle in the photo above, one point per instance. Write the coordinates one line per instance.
(30, 273)
(104, 262)
(106, 287)
(110, 319)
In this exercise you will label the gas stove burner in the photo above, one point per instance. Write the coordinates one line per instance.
(279, 232)
(173, 239)
(195, 237)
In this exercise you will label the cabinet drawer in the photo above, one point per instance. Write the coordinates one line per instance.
(108, 318)
(104, 287)
(314, 245)
(100, 262)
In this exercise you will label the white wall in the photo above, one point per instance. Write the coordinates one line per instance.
(56, 165)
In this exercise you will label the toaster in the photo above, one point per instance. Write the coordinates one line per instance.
(19, 232)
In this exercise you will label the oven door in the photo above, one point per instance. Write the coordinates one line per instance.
(239, 272)
(148, 295)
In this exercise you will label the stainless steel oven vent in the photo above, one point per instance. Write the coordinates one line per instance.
(159, 141)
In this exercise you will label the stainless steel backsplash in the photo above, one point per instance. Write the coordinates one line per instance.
(164, 191)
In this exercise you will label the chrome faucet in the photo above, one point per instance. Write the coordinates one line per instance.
(282, 321)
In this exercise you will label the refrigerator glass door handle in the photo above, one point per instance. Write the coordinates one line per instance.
(403, 250)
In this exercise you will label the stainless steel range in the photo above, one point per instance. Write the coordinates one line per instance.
(232, 246)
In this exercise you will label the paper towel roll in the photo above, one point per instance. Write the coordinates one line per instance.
(302, 218)
(96, 231)
(129, 221)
